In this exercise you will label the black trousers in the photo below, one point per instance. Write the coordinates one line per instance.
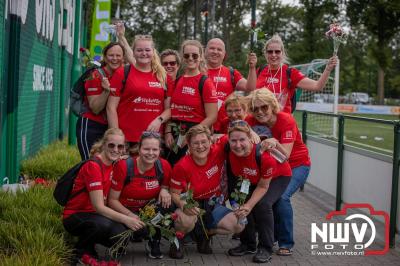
(87, 133)
(261, 218)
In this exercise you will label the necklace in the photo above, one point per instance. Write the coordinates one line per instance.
(218, 78)
(272, 78)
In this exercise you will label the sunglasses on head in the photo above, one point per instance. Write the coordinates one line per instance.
(274, 51)
(240, 123)
(147, 134)
(188, 55)
(112, 146)
(171, 63)
(263, 108)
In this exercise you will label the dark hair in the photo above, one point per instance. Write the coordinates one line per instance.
(108, 47)
(149, 135)
(168, 52)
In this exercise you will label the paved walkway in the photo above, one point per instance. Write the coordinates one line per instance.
(309, 206)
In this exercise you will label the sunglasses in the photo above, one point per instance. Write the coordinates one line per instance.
(240, 123)
(262, 108)
(274, 51)
(171, 63)
(112, 146)
(147, 134)
(194, 56)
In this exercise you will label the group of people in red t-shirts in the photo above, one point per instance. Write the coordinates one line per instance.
(161, 135)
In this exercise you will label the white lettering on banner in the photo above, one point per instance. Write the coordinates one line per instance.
(102, 14)
(19, 8)
(147, 101)
(45, 17)
(60, 22)
(42, 78)
(188, 90)
(210, 172)
(68, 32)
(248, 171)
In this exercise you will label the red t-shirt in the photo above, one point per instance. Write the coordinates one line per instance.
(221, 77)
(186, 103)
(141, 101)
(277, 82)
(142, 188)
(285, 131)
(93, 87)
(205, 180)
(90, 178)
(247, 167)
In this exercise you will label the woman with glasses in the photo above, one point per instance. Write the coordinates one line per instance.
(91, 126)
(287, 139)
(235, 109)
(193, 101)
(171, 62)
(138, 180)
(142, 95)
(274, 76)
(266, 180)
(200, 171)
(86, 215)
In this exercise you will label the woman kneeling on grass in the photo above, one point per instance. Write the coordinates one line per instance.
(86, 214)
(200, 172)
(264, 180)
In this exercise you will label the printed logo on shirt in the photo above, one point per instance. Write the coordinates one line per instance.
(288, 135)
(152, 185)
(183, 108)
(268, 172)
(249, 171)
(221, 94)
(175, 182)
(188, 90)
(148, 101)
(95, 184)
(219, 79)
(92, 89)
(212, 171)
(154, 84)
(272, 80)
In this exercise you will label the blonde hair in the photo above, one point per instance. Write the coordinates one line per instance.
(156, 66)
(202, 66)
(196, 130)
(266, 96)
(98, 145)
(168, 52)
(276, 39)
(234, 99)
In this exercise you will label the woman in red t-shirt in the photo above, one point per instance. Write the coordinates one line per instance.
(91, 126)
(263, 182)
(200, 171)
(146, 179)
(287, 139)
(274, 76)
(193, 101)
(86, 214)
(235, 109)
(141, 103)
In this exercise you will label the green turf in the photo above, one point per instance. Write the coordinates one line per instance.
(367, 135)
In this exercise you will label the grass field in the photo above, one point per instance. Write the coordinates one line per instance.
(372, 136)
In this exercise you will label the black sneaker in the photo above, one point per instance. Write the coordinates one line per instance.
(203, 246)
(176, 253)
(153, 249)
(262, 255)
(241, 250)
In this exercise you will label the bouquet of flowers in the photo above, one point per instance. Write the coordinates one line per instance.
(86, 60)
(337, 34)
(153, 219)
(239, 195)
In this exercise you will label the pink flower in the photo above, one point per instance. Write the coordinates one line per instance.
(82, 49)
(174, 216)
(180, 235)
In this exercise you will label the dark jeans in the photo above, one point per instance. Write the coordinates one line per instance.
(261, 218)
(87, 133)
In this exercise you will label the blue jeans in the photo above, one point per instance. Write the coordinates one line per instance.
(283, 208)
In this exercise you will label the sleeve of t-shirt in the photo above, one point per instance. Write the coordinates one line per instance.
(178, 179)
(268, 165)
(92, 176)
(237, 76)
(116, 81)
(93, 84)
(296, 76)
(119, 175)
(288, 130)
(170, 86)
(209, 92)
(167, 172)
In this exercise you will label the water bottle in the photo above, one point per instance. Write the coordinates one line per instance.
(236, 206)
(110, 28)
(279, 156)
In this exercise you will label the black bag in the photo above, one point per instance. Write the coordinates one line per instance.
(77, 93)
(65, 184)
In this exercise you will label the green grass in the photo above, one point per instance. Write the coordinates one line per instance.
(51, 162)
(367, 135)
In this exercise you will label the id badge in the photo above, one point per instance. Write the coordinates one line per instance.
(157, 219)
(245, 186)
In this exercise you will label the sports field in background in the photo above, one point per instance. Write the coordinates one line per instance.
(367, 135)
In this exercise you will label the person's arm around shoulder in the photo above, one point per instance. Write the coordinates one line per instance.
(317, 85)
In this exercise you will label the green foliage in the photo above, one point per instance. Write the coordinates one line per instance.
(31, 232)
(51, 162)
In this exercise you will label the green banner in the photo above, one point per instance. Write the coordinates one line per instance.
(99, 36)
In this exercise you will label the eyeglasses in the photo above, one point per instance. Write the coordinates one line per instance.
(194, 56)
(112, 146)
(147, 134)
(236, 111)
(274, 51)
(262, 108)
(171, 63)
(240, 123)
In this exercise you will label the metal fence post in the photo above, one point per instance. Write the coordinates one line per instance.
(395, 184)
(304, 134)
(339, 181)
